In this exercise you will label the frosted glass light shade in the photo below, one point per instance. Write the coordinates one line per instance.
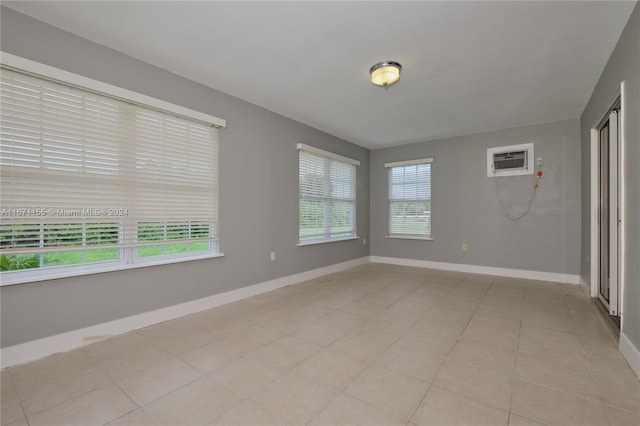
(385, 73)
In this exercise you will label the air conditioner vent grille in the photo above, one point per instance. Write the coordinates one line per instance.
(510, 160)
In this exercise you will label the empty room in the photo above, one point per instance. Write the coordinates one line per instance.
(320, 212)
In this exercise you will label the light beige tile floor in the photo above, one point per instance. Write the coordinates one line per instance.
(376, 344)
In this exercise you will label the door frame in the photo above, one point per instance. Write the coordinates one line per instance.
(616, 187)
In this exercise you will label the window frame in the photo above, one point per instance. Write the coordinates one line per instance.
(128, 257)
(397, 164)
(326, 198)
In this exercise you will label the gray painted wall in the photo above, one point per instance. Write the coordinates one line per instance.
(623, 65)
(466, 208)
(258, 198)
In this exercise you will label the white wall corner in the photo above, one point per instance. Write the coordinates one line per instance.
(40, 348)
(630, 353)
(485, 270)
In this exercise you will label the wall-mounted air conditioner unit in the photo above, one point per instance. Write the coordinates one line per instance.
(510, 160)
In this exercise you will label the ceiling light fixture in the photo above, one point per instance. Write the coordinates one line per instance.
(385, 73)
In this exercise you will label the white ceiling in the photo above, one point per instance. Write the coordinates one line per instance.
(468, 67)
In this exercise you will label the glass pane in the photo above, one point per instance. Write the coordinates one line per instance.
(63, 258)
(177, 231)
(200, 230)
(410, 200)
(62, 234)
(342, 219)
(177, 248)
(411, 218)
(150, 251)
(162, 232)
(19, 235)
(204, 246)
(311, 219)
(78, 257)
(102, 255)
(150, 231)
(102, 233)
(15, 262)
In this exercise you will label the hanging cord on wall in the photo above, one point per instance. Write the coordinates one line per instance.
(533, 195)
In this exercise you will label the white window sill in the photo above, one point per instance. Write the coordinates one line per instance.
(408, 237)
(21, 277)
(311, 243)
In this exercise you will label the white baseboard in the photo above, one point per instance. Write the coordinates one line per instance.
(630, 353)
(476, 269)
(40, 348)
(586, 287)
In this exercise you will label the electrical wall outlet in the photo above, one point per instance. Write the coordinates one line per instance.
(539, 161)
(364, 241)
(273, 256)
(465, 246)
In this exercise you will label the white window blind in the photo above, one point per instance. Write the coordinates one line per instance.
(410, 198)
(89, 178)
(327, 205)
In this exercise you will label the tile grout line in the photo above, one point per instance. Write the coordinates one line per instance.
(515, 367)
(63, 401)
(373, 362)
(586, 357)
(100, 367)
(423, 399)
(375, 359)
(13, 384)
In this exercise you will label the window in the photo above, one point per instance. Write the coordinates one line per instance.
(93, 182)
(327, 185)
(410, 198)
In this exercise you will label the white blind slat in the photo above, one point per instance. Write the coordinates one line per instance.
(327, 195)
(81, 170)
(410, 198)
